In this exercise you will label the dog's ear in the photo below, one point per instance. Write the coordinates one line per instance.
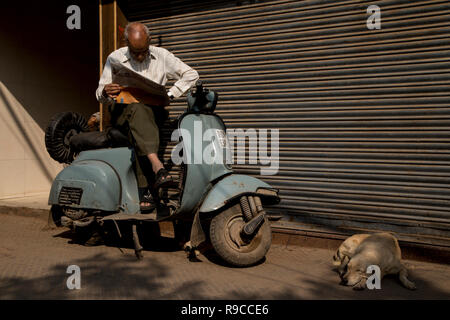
(337, 258)
(342, 269)
(393, 234)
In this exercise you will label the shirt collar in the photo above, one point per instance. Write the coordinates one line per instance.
(127, 56)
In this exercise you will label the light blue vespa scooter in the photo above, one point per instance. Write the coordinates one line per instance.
(100, 185)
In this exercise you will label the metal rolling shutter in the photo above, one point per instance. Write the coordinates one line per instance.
(363, 115)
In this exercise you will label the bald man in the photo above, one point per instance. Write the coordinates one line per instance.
(138, 121)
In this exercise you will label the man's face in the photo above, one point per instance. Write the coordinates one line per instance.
(138, 49)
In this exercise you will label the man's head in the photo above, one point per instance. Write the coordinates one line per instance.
(137, 37)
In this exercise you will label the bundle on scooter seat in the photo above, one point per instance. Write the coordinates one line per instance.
(68, 134)
(117, 138)
(89, 141)
(98, 139)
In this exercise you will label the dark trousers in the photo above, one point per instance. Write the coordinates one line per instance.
(141, 124)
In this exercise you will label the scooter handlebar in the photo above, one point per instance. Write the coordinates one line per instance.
(198, 87)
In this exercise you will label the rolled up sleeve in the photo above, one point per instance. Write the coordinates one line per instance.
(180, 71)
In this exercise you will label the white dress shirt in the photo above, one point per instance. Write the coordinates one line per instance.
(159, 66)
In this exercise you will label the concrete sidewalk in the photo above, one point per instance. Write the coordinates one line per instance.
(37, 201)
(34, 261)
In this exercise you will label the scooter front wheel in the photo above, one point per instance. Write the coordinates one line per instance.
(229, 243)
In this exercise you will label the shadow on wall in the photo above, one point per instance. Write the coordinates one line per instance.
(17, 122)
(25, 166)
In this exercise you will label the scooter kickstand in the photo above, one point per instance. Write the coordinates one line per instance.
(137, 245)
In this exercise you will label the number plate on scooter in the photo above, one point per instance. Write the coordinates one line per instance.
(222, 138)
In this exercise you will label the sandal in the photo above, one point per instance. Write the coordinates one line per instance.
(146, 207)
(147, 204)
(163, 179)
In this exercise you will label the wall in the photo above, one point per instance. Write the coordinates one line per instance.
(45, 68)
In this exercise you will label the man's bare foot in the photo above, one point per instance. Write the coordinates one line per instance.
(156, 163)
(145, 204)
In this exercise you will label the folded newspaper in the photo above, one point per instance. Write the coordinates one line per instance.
(128, 78)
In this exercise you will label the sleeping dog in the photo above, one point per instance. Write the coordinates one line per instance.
(362, 250)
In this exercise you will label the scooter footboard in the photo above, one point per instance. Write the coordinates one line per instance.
(233, 187)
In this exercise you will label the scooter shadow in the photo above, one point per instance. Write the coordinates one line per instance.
(150, 239)
(109, 236)
(211, 255)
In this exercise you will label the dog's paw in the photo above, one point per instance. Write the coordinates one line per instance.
(410, 285)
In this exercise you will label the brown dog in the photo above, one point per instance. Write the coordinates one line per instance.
(360, 251)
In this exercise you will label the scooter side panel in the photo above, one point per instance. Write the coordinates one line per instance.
(99, 184)
(120, 163)
(121, 159)
(228, 188)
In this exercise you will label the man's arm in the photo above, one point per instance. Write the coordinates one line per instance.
(178, 70)
(105, 79)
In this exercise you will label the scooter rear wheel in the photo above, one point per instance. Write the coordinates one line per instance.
(231, 246)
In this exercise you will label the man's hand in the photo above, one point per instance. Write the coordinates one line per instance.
(112, 90)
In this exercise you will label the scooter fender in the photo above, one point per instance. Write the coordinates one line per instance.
(234, 186)
(87, 184)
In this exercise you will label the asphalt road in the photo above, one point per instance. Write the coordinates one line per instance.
(34, 261)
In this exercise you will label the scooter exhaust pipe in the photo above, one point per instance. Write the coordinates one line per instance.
(251, 227)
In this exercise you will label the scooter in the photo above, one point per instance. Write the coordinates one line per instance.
(219, 207)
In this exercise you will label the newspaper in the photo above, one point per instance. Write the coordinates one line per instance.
(126, 77)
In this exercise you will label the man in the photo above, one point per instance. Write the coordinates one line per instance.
(141, 122)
